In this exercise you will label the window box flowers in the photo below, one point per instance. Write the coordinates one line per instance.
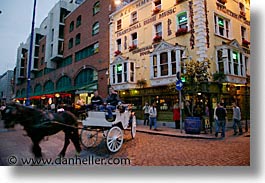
(222, 1)
(117, 52)
(132, 47)
(156, 10)
(245, 43)
(181, 31)
(157, 39)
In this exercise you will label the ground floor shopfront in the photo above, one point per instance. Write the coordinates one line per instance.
(205, 97)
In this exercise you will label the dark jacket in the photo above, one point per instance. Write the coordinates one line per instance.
(113, 99)
(220, 113)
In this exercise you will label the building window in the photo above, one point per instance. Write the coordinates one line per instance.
(157, 4)
(182, 21)
(119, 25)
(78, 21)
(220, 61)
(173, 62)
(118, 42)
(95, 28)
(87, 52)
(158, 29)
(134, 39)
(242, 9)
(164, 64)
(155, 66)
(235, 63)
(243, 33)
(96, 47)
(134, 17)
(71, 28)
(70, 43)
(122, 72)
(77, 39)
(222, 26)
(96, 8)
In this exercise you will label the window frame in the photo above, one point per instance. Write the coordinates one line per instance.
(96, 8)
(226, 26)
(95, 28)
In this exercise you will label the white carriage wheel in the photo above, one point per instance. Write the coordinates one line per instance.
(88, 138)
(133, 126)
(114, 139)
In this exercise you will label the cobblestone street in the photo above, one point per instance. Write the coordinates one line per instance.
(145, 150)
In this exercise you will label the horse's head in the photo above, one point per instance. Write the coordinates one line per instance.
(10, 115)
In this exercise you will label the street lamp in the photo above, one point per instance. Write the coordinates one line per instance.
(30, 54)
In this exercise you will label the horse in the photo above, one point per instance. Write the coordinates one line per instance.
(39, 124)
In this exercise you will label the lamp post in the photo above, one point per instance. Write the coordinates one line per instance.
(30, 54)
(246, 104)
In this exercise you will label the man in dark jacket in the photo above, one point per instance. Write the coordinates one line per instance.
(221, 117)
(112, 101)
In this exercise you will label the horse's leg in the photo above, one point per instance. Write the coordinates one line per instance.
(66, 143)
(36, 149)
(75, 139)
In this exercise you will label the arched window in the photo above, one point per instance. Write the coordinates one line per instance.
(96, 8)
(71, 28)
(77, 39)
(70, 43)
(85, 77)
(95, 28)
(48, 86)
(63, 83)
(78, 21)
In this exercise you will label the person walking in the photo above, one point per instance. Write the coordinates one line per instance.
(236, 119)
(153, 116)
(146, 108)
(220, 113)
(176, 115)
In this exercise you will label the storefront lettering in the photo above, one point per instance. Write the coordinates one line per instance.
(132, 28)
(167, 13)
(143, 51)
(141, 3)
(150, 20)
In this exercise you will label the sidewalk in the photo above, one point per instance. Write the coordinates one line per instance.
(170, 131)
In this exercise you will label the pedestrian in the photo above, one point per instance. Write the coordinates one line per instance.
(146, 108)
(220, 113)
(176, 115)
(153, 116)
(236, 119)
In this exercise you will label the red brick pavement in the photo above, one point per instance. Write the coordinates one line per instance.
(147, 149)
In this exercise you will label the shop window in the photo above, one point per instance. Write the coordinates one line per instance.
(122, 72)
(235, 62)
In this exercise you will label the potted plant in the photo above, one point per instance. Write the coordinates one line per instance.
(222, 1)
(157, 39)
(156, 10)
(132, 47)
(245, 42)
(117, 52)
(181, 31)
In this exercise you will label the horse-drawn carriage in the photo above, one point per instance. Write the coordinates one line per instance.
(112, 131)
(39, 124)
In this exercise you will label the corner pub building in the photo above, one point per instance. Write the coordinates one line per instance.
(152, 40)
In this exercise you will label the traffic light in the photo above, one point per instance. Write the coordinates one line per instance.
(183, 79)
